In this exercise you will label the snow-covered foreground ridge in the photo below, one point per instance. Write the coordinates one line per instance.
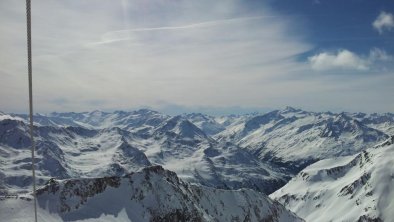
(355, 188)
(153, 194)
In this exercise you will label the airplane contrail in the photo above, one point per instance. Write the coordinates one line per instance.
(122, 35)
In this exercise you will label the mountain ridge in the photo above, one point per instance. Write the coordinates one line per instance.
(158, 194)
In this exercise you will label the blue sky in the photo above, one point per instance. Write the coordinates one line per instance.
(211, 56)
(341, 24)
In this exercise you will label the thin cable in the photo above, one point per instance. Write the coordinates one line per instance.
(29, 65)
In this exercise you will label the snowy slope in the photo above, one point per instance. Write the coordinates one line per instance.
(153, 194)
(355, 188)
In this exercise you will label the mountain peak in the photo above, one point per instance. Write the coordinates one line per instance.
(97, 113)
(182, 127)
(197, 116)
(291, 109)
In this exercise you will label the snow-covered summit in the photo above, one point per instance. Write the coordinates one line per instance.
(209, 124)
(181, 127)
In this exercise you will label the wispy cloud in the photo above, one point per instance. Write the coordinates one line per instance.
(385, 21)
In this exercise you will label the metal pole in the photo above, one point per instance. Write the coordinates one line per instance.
(29, 64)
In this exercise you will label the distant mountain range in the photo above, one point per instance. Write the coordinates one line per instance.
(261, 152)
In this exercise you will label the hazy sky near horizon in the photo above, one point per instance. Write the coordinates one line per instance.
(212, 55)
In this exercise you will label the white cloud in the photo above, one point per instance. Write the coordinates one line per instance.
(343, 59)
(347, 60)
(385, 21)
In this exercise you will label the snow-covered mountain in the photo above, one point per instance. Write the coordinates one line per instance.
(353, 188)
(293, 138)
(153, 194)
